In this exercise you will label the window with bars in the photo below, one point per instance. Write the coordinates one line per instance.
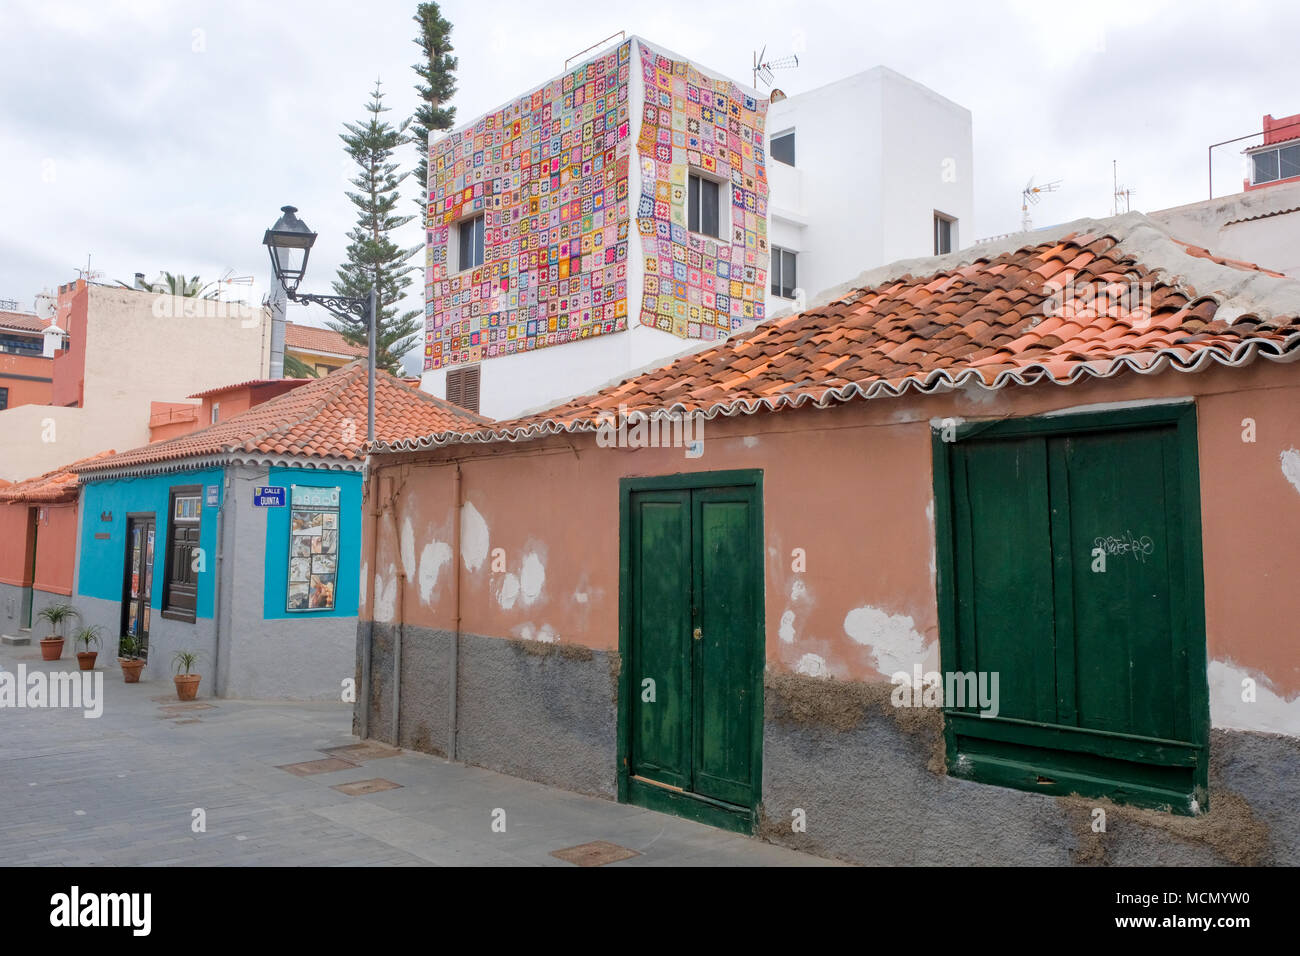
(462, 387)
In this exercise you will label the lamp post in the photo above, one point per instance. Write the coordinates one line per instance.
(289, 242)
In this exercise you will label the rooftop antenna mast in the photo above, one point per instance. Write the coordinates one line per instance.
(764, 68)
(1029, 197)
(86, 274)
(1124, 194)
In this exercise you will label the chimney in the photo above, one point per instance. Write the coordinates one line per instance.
(140, 283)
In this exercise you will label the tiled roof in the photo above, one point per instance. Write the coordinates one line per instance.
(50, 488)
(311, 339)
(22, 321)
(992, 316)
(248, 383)
(324, 419)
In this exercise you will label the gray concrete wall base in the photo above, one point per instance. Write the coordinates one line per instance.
(11, 608)
(544, 712)
(870, 784)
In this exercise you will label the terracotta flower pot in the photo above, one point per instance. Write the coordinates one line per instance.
(51, 648)
(187, 685)
(86, 660)
(131, 669)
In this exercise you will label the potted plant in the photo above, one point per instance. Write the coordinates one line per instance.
(187, 683)
(86, 636)
(128, 649)
(55, 614)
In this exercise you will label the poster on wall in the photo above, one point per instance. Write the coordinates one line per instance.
(313, 547)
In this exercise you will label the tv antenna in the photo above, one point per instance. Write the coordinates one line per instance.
(1125, 194)
(1029, 197)
(86, 274)
(763, 68)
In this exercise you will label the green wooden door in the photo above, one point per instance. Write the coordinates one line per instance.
(1073, 574)
(693, 646)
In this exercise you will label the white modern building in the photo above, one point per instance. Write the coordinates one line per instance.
(639, 205)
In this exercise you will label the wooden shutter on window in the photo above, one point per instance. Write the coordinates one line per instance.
(462, 387)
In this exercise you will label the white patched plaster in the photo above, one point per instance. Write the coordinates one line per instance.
(813, 665)
(473, 537)
(408, 549)
(750, 441)
(531, 577)
(509, 591)
(432, 558)
(893, 640)
(1269, 713)
(1291, 467)
(581, 597)
(385, 595)
(362, 590)
(787, 626)
(543, 635)
(797, 590)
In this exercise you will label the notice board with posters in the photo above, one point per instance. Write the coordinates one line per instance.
(313, 547)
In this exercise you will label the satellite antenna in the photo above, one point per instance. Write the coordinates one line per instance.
(764, 68)
(1125, 194)
(1029, 197)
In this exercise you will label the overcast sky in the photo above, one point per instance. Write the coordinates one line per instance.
(166, 135)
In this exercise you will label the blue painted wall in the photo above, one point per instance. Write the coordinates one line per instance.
(347, 582)
(102, 561)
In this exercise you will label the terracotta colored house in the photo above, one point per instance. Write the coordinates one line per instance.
(38, 525)
(929, 573)
(26, 373)
(242, 540)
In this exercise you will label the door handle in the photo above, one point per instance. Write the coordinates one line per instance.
(697, 634)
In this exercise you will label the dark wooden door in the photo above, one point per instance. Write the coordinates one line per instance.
(694, 644)
(137, 585)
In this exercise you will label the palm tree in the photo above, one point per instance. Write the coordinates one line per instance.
(170, 284)
(295, 367)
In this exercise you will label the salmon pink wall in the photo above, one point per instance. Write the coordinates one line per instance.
(70, 365)
(56, 547)
(13, 555)
(852, 487)
(28, 378)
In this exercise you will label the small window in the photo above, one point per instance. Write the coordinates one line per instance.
(470, 240)
(4, 399)
(181, 581)
(216, 413)
(784, 281)
(1274, 164)
(462, 387)
(783, 148)
(945, 234)
(702, 210)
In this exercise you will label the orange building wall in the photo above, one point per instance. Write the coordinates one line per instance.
(851, 486)
(13, 545)
(29, 379)
(56, 547)
(70, 365)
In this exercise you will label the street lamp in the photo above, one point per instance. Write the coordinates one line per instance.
(289, 242)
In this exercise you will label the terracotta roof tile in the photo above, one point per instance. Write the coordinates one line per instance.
(311, 339)
(326, 418)
(52, 487)
(995, 318)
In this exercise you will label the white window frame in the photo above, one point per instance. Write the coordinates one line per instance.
(782, 135)
(953, 244)
(724, 204)
(777, 253)
(1272, 149)
(468, 222)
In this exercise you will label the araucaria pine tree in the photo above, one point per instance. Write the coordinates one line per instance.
(373, 258)
(437, 86)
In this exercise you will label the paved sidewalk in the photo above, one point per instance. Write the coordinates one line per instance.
(121, 790)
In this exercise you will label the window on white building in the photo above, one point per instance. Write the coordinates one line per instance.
(469, 238)
(783, 148)
(945, 234)
(703, 206)
(784, 281)
(462, 387)
(1274, 164)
